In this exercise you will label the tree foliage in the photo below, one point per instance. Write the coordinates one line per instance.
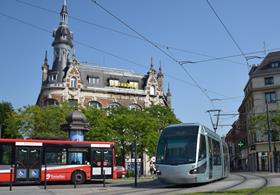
(259, 122)
(34, 121)
(6, 109)
(121, 125)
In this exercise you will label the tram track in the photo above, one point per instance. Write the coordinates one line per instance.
(261, 187)
(245, 178)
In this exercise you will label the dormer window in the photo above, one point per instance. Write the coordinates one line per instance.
(152, 90)
(133, 84)
(73, 82)
(93, 80)
(274, 65)
(114, 83)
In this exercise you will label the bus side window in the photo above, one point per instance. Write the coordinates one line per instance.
(55, 156)
(202, 148)
(6, 154)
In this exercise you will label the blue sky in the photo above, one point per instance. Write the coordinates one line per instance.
(186, 27)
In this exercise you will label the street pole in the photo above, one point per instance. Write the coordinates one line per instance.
(135, 164)
(269, 138)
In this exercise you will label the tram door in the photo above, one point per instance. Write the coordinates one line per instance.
(28, 164)
(210, 151)
(101, 163)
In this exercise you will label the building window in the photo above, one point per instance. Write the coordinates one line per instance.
(133, 84)
(274, 65)
(51, 102)
(114, 83)
(114, 105)
(270, 97)
(73, 82)
(152, 90)
(73, 102)
(95, 104)
(268, 81)
(134, 107)
(93, 80)
(53, 77)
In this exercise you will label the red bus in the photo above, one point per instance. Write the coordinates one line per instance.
(76, 161)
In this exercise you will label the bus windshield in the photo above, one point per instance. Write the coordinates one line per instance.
(177, 145)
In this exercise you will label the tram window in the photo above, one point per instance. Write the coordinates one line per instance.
(216, 153)
(6, 154)
(202, 148)
(55, 156)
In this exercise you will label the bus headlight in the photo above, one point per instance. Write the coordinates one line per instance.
(199, 170)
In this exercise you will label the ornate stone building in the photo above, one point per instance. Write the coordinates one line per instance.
(251, 149)
(92, 85)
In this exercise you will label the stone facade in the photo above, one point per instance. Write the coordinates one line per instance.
(92, 85)
(262, 93)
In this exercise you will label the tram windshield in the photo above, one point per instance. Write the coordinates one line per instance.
(177, 145)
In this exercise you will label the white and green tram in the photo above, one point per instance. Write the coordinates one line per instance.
(191, 153)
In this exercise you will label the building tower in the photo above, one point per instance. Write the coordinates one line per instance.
(62, 45)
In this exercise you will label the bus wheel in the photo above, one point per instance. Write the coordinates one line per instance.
(79, 177)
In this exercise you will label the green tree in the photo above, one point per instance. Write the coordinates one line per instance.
(100, 127)
(6, 109)
(259, 123)
(34, 121)
(164, 115)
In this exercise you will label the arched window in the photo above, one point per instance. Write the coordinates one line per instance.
(51, 102)
(95, 104)
(114, 105)
(73, 82)
(134, 107)
(152, 90)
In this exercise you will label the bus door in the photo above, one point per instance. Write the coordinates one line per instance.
(28, 164)
(101, 163)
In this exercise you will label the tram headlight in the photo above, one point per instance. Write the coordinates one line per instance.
(199, 170)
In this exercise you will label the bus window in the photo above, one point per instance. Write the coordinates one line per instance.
(55, 156)
(6, 154)
(107, 158)
(77, 155)
(202, 148)
(97, 157)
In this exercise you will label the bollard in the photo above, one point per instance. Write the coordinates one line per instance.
(11, 177)
(103, 178)
(45, 184)
(75, 180)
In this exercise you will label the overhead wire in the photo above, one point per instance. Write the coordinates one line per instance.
(228, 32)
(127, 34)
(105, 52)
(156, 46)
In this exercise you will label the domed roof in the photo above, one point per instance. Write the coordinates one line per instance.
(76, 116)
(76, 120)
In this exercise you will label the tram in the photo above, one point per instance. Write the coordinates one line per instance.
(191, 153)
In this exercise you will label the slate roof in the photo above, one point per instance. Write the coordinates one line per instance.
(106, 73)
